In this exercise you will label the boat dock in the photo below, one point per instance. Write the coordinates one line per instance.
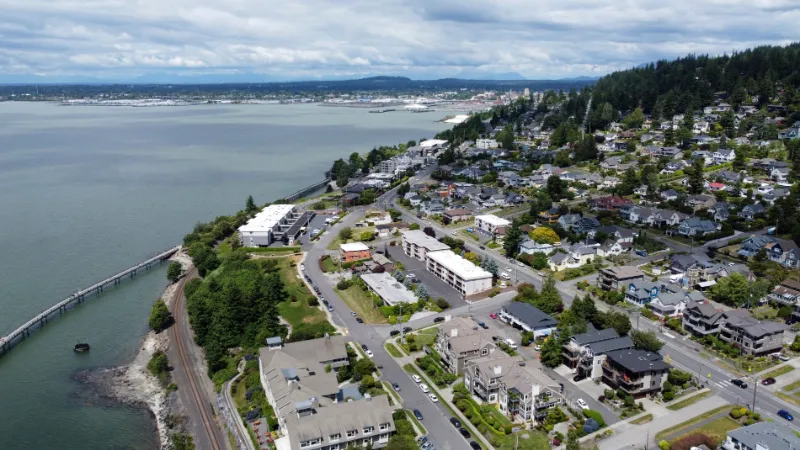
(7, 342)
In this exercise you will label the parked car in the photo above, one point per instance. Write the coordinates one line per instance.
(508, 269)
(582, 403)
(464, 432)
(641, 252)
(783, 357)
(474, 445)
(483, 325)
(302, 267)
(424, 387)
(416, 378)
(456, 423)
(519, 263)
(417, 414)
(359, 320)
(396, 387)
(438, 319)
(407, 329)
(370, 354)
(482, 247)
(427, 445)
(364, 347)
(505, 276)
(493, 315)
(353, 313)
(394, 332)
(422, 439)
(739, 383)
(768, 381)
(433, 398)
(330, 308)
(510, 342)
(785, 414)
(411, 276)
(578, 377)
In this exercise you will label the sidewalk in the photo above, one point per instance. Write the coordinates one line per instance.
(627, 436)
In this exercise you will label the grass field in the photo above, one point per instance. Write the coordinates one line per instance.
(361, 303)
(688, 401)
(788, 398)
(778, 372)
(297, 312)
(535, 440)
(694, 420)
(792, 386)
(644, 419)
(423, 337)
(329, 266)
(716, 430)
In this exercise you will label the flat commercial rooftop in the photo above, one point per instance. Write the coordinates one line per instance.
(419, 238)
(267, 218)
(458, 265)
(354, 247)
(493, 220)
(389, 289)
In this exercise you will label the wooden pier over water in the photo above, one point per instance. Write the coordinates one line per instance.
(7, 342)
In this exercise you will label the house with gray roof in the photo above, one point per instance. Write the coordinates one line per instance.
(568, 220)
(528, 393)
(312, 411)
(750, 212)
(702, 318)
(750, 335)
(460, 340)
(637, 372)
(586, 352)
(694, 226)
(762, 436)
(528, 318)
(668, 304)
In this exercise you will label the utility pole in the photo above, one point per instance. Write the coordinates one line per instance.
(755, 388)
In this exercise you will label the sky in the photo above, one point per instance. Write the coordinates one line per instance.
(335, 39)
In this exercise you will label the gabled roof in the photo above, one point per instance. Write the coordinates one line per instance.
(611, 345)
(768, 435)
(531, 315)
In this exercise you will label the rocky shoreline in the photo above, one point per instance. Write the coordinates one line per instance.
(132, 384)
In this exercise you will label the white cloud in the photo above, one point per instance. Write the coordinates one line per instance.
(417, 38)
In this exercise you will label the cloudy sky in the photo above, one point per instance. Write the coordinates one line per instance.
(423, 39)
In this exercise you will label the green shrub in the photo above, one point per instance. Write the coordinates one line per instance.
(663, 445)
(609, 394)
(668, 395)
(160, 317)
(592, 414)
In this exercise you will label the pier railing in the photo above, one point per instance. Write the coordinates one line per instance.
(7, 342)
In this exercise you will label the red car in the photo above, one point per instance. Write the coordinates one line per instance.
(493, 315)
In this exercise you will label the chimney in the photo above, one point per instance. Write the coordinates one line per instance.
(498, 370)
(454, 332)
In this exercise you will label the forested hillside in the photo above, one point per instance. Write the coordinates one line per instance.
(764, 75)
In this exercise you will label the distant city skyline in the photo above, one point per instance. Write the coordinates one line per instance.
(266, 40)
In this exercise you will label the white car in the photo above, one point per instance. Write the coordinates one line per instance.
(582, 404)
(511, 343)
(370, 354)
(411, 276)
(505, 276)
(416, 378)
(424, 388)
(433, 398)
(454, 233)
(508, 269)
(302, 267)
(520, 264)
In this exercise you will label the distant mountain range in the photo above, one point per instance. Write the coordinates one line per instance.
(241, 78)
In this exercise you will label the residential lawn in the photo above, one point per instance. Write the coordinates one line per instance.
(688, 401)
(500, 417)
(788, 398)
(694, 420)
(470, 235)
(361, 303)
(422, 338)
(778, 372)
(297, 312)
(272, 250)
(764, 312)
(536, 440)
(393, 351)
(357, 232)
(329, 266)
(792, 386)
(644, 419)
(493, 245)
(716, 430)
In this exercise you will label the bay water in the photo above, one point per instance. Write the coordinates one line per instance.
(86, 191)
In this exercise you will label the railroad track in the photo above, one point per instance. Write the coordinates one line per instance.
(208, 422)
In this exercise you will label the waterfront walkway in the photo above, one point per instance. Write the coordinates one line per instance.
(7, 342)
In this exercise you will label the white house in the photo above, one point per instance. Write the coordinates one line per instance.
(723, 155)
(489, 223)
(486, 144)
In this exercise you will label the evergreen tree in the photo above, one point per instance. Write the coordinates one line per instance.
(488, 264)
(422, 293)
(551, 353)
(250, 206)
(696, 179)
(513, 239)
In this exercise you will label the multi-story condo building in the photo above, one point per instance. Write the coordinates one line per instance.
(417, 244)
(635, 371)
(457, 272)
(460, 340)
(616, 278)
(482, 376)
(702, 319)
(585, 353)
(311, 413)
(787, 293)
(268, 226)
(527, 393)
(750, 335)
(489, 224)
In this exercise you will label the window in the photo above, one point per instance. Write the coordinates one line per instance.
(310, 442)
(335, 437)
(384, 426)
(351, 433)
(368, 430)
(484, 351)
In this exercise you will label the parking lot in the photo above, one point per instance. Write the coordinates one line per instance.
(436, 288)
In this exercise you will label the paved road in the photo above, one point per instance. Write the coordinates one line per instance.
(443, 435)
(239, 429)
